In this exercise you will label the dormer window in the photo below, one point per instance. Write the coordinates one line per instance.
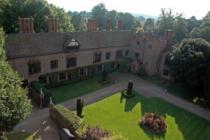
(73, 43)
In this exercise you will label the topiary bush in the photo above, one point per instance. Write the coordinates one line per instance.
(153, 122)
(129, 92)
(80, 104)
(130, 88)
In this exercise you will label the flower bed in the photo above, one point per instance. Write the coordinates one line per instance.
(153, 122)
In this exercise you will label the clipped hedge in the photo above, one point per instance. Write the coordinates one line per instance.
(64, 117)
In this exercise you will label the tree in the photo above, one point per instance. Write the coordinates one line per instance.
(203, 30)
(129, 21)
(14, 104)
(180, 28)
(64, 18)
(149, 25)
(40, 10)
(112, 16)
(78, 21)
(165, 21)
(139, 30)
(192, 23)
(190, 65)
(99, 13)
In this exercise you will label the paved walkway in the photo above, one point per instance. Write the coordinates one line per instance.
(43, 128)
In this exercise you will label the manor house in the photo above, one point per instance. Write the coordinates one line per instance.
(59, 56)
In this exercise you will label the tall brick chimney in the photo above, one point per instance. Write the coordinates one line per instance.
(168, 37)
(92, 25)
(108, 25)
(119, 24)
(53, 25)
(26, 25)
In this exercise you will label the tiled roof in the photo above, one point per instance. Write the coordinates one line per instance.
(26, 45)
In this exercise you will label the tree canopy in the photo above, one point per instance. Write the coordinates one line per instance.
(203, 30)
(78, 21)
(149, 25)
(14, 104)
(40, 10)
(190, 65)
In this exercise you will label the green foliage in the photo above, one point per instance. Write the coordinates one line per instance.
(139, 30)
(112, 15)
(64, 18)
(80, 104)
(180, 28)
(190, 65)
(78, 21)
(14, 104)
(203, 30)
(40, 10)
(99, 13)
(165, 21)
(192, 23)
(68, 117)
(149, 26)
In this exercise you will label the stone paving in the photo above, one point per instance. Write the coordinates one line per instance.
(43, 128)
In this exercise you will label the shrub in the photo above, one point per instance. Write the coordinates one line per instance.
(80, 104)
(95, 133)
(14, 103)
(153, 122)
(65, 117)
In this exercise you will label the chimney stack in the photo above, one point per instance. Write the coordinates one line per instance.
(119, 24)
(26, 25)
(92, 25)
(168, 37)
(53, 25)
(108, 25)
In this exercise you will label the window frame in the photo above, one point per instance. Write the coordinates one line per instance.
(70, 64)
(108, 55)
(54, 65)
(97, 57)
(34, 67)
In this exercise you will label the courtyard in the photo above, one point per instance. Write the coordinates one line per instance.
(122, 116)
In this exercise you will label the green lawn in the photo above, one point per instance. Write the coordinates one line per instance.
(171, 87)
(63, 93)
(121, 116)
